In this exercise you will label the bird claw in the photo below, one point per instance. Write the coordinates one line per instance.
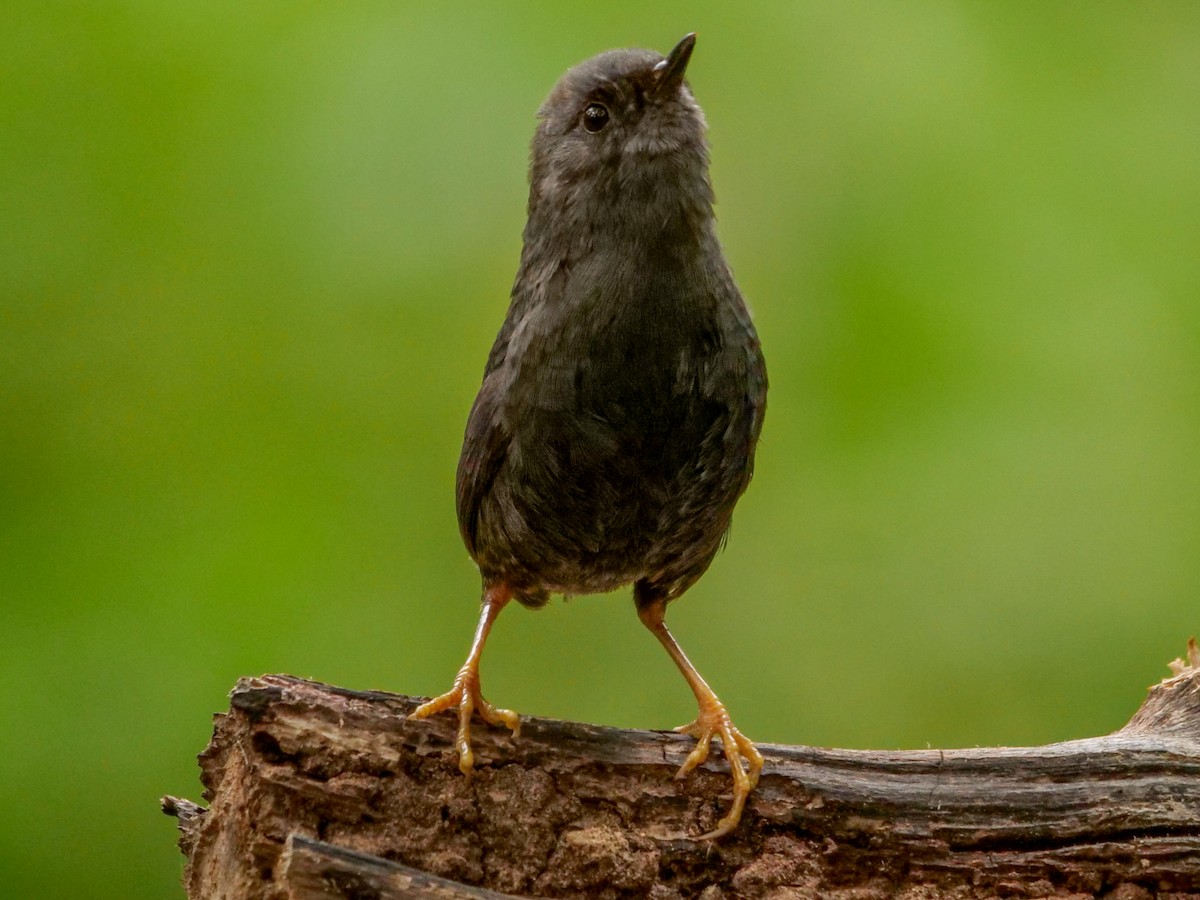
(466, 696)
(713, 721)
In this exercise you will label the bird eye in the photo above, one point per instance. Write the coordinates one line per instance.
(595, 117)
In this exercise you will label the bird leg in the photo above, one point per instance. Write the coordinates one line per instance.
(465, 693)
(712, 721)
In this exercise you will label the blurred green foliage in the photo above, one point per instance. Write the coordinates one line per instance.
(253, 258)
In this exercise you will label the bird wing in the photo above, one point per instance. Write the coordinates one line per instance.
(485, 447)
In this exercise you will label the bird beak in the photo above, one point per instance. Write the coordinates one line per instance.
(672, 68)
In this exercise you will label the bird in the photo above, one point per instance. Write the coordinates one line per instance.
(623, 398)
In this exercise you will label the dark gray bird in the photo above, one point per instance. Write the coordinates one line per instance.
(622, 400)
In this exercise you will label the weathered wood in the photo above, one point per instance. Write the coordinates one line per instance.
(317, 791)
(314, 870)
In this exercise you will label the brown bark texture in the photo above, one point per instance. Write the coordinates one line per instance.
(320, 792)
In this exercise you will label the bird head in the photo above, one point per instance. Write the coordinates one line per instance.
(623, 124)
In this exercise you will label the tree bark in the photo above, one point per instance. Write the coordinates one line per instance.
(321, 792)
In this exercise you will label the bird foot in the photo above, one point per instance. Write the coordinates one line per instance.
(466, 696)
(713, 721)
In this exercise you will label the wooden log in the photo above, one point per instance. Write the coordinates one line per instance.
(320, 792)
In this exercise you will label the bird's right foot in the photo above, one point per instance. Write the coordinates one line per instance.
(466, 696)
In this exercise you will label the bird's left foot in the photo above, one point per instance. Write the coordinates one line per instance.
(745, 762)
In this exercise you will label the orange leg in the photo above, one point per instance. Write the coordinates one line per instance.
(712, 721)
(466, 694)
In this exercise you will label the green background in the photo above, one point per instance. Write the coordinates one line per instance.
(252, 257)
